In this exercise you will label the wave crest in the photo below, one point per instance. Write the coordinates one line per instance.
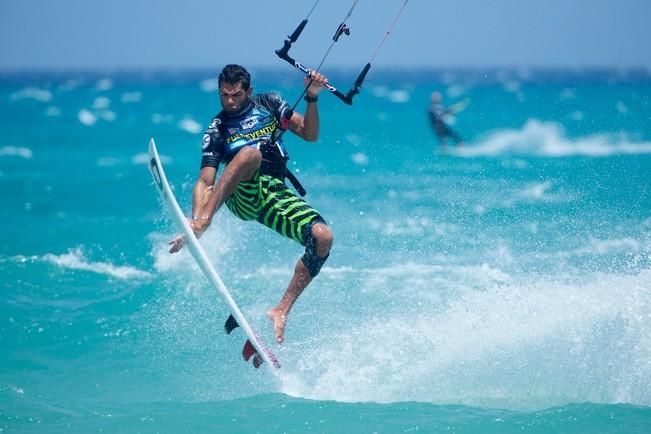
(549, 139)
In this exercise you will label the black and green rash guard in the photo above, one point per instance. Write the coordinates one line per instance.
(253, 125)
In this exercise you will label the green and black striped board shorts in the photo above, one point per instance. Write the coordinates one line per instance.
(269, 201)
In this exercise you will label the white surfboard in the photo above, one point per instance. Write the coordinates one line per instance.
(254, 345)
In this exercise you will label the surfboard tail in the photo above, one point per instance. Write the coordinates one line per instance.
(249, 351)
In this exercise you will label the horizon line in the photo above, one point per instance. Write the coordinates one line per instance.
(268, 68)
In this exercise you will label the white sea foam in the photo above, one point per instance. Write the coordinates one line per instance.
(568, 93)
(512, 86)
(131, 97)
(353, 139)
(34, 93)
(607, 246)
(471, 276)
(107, 115)
(399, 96)
(455, 91)
(209, 85)
(410, 225)
(511, 344)
(549, 139)
(159, 118)
(359, 158)
(104, 84)
(76, 260)
(536, 191)
(143, 158)
(107, 161)
(69, 85)
(190, 125)
(407, 226)
(101, 102)
(16, 151)
(164, 261)
(86, 117)
(217, 245)
(380, 91)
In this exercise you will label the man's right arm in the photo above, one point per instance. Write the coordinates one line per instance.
(202, 188)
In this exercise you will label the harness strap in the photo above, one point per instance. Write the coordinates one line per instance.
(296, 183)
(275, 164)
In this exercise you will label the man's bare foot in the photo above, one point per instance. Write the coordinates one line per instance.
(279, 319)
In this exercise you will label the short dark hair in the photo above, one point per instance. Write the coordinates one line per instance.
(233, 74)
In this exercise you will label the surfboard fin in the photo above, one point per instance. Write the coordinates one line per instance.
(230, 325)
(249, 351)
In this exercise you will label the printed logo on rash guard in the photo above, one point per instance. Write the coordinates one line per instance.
(254, 135)
(249, 123)
(205, 142)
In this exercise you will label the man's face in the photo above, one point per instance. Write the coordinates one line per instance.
(233, 96)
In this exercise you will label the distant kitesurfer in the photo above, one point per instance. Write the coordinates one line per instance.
(243, 136)
(438, 114)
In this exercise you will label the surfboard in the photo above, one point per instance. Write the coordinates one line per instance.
(253, 347)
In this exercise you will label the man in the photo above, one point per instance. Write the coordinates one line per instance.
(244, 136)
(438, 114)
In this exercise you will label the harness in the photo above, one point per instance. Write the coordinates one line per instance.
(274, 163)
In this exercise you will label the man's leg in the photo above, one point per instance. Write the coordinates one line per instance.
(303, 275)
(456, 137)
(241, 168)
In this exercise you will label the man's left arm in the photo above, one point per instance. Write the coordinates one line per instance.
(307, 126)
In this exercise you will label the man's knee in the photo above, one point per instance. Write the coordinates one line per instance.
(323, 239)
(317, 248)
(249, 157)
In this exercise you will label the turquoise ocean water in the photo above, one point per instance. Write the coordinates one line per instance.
(501, 287)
